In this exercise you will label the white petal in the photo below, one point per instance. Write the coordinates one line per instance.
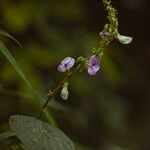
(124, 39)
(64, 92)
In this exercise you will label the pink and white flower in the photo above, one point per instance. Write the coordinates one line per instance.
(93, 65)
(66, 64)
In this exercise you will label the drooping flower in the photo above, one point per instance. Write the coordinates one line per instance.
(64, 92)
(93, 65)
(66, 64)
(124, 39)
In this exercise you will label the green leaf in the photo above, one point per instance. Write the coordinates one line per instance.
(13, 62)
(38, 135)
(4, 33)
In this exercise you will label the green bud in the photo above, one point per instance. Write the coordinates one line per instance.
(64, 92)
(124, 39)
(80, 58)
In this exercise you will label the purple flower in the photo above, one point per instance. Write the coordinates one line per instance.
(66, 64)
(93, 65)
(104, 33)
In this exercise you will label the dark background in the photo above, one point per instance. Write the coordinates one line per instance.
(109, 111)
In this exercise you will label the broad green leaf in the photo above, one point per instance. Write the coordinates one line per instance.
(38, 135)
(4, 33)
(13, 62)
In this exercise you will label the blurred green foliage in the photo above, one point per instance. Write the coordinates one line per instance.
(98, 114)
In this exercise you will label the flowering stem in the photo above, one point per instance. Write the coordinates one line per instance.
(66, 79)
(110, 28)
(69, 76)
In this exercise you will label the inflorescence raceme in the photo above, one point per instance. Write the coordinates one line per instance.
(92, 62)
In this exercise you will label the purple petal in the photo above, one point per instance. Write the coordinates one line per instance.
(93, 70)
(66, 64)
(66, 60)
(104, 33)
(70, 63)
(62, 68)
(94, 60)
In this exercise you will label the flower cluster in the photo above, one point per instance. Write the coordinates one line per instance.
(93, 64)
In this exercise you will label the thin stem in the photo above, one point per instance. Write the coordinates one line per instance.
(112, 28)
(66, 79)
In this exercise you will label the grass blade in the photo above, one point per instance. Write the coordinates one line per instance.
(4, 33)
(13, 62)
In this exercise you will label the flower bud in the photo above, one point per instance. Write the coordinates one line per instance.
(64, 92)
(124, 39)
